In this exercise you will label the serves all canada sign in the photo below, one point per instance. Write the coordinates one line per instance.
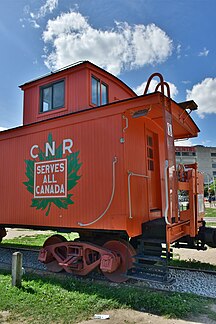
(50, 179)
(52, 173)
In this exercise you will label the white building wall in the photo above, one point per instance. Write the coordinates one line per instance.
(204, 156)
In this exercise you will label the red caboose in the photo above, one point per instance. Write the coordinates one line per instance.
(94, 158)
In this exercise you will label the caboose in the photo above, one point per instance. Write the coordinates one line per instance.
(94, 158)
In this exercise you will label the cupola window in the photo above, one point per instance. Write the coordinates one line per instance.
(99, 92)
(52, 96)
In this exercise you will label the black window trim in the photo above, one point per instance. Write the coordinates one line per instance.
(42, 87)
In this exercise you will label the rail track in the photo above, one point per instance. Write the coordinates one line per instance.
(34, 250)
(197, 281)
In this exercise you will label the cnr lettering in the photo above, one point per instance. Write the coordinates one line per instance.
(51, 149)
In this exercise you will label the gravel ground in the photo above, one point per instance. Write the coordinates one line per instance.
(198, 283)
(30, 259)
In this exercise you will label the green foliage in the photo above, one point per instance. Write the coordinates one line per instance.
(46, 300)
(210, 189)
(73, 167)
(30, 175)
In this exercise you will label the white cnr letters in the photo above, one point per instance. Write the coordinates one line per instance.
(67, 145)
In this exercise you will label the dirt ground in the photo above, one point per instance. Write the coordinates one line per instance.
(208, 256)
(128, 316)
(122, 316)
(16, 232)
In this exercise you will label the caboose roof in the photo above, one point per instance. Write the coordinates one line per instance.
(71, 68)
(68, 67)
(183, 124)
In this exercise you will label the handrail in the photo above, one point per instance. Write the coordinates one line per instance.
(149, 81)
(167, 87)
(126, 123)
(161, 84)
(111, 198)
(166, 193)
(130, 173)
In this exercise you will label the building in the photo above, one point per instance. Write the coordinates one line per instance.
(204, 156)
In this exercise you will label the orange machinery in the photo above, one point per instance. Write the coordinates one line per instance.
(105, 171)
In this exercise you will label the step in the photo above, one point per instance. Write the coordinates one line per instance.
(152, 248)
(153, 240)
(164, 254)
(150, 268)
(138, 275)
(150, 258)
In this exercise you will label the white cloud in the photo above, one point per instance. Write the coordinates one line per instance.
(140, 89)
(70, 38)
(186, 81)
(2, 129)
(178, 51)
(186, 142)
(204, 94)
(47, 8)
(204, 52)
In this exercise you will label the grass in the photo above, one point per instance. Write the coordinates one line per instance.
(35, 241)
(49, 300)
(210, 212)
(211, 224)
(194, 264)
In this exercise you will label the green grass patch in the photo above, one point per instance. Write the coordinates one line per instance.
(210, 212)
(210, 224)
(35, 241)
(46, 300)
(194, 264)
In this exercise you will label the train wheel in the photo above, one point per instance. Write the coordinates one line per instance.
(126, 253)
(53, 266)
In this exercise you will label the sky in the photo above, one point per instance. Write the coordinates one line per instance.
(129, 38)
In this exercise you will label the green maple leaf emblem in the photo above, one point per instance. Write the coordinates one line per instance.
(73, 167)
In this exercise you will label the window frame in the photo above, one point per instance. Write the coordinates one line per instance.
(99, 92)
(41, 94)
(150, 153)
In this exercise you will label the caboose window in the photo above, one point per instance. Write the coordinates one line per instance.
(52, 96)
(150, 153)
(99, 92)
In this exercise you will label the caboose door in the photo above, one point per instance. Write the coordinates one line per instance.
(153, 171)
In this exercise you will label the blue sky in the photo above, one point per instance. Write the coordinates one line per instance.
(130, 38)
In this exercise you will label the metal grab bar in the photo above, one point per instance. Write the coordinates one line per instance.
(115, 160)
(130, 173)
(167, 87)
(166, 193)
(149, 81)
